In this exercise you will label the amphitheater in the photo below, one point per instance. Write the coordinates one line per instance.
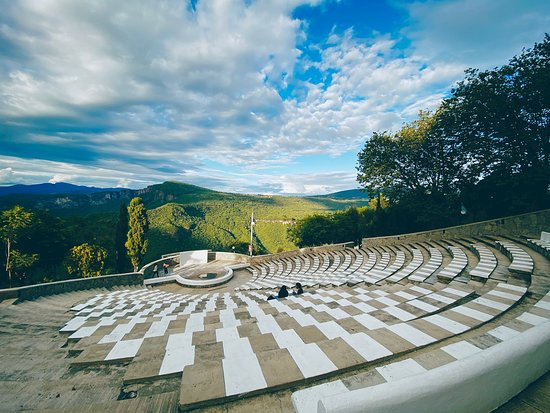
(451, 320)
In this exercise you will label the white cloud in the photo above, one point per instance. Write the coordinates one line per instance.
(132, 93)
(476, 33)
(7, 176)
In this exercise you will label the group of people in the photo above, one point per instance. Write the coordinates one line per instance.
(283, 292)
(165, 267)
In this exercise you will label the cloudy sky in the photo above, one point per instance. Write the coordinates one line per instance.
(256, 96)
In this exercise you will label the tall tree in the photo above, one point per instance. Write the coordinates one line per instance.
(414, 159)
(87, 260)
(501, 118)
(136, 244)
(120, 239)
(13, 222)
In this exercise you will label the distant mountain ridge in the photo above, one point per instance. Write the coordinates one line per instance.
(348, 194)
(55, 188)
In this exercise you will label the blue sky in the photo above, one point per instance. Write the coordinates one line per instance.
(252, 96)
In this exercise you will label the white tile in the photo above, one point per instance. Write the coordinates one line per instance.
(124, 349)
(405, 295)
(420, 290)
(387, 301)
(411, 334)
(242, 373)
(512, 297)
(447, 324)
(179, 340)
(441, 298)
(267, 324)
(365, 307)
(331, 329)
(454, 291)
(503, 333)
(461, 349)
(227, 334)
(74, 324)
(195, 322)
(423, 306)
(472, 313)
(399, 313)
(84, 332)
(337, 313)
(287, 338)
(158, 328)
(311, 360)
(305, 401)
(175, 359)
(532, 319)
(118, 333)
(369, 321)
(400, 370)
(517, 288)
(492, 304)
(227, 318)
(366, 346)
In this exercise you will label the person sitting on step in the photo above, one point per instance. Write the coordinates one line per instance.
(283, 292)
(298, 289)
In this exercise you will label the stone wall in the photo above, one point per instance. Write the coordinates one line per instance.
(231, 256)
(30, 292)
(525, 225)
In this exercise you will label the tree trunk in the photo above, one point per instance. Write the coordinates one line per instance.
(8, 264)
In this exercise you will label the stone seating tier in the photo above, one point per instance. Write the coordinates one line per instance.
(233, 339)
(369, 390)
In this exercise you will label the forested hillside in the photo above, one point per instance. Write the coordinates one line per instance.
(181, 217)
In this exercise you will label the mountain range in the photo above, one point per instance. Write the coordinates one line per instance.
(183, 216)
(52, 188)
(67, 188)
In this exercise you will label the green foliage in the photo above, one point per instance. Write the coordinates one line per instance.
(138, 224)
(13, 224)
(86, 260)
(486, 149)
(501, 120)
(338, 227)
(122, 262)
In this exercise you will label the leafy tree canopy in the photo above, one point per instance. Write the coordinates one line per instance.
(86, 260)
(136, 243)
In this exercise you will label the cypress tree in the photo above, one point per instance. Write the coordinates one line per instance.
(136, 244)
(122, 263)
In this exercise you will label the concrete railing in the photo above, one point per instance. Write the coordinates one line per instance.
(198, 283)
(527, 225)
(479, 383)
(30, 292)
(147, 269)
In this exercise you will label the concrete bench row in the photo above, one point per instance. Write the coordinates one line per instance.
(513, 354)
(521, 260)
(541, 245)
(486, 265)
(377, 266)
